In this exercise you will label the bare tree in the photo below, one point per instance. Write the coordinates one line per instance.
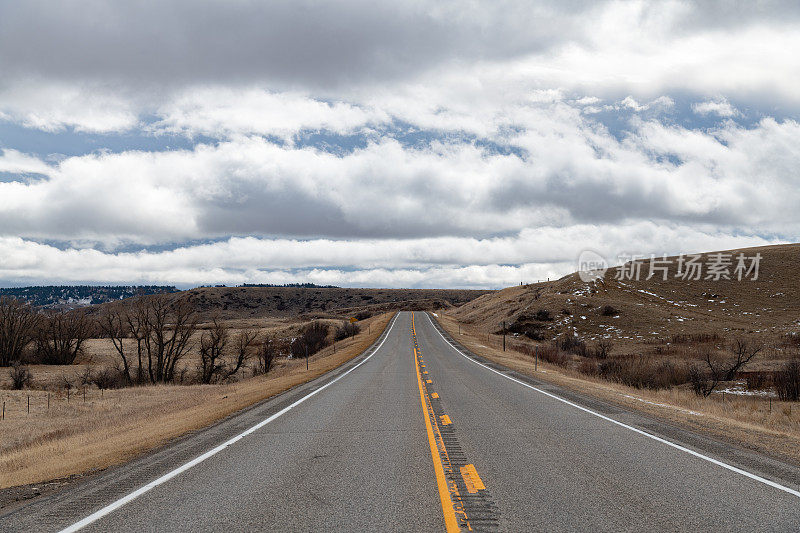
(162, 328)
(267, 351)
(704, 383)
(244, 340)
(18, 324)
(168, 325)
(744, 352)
(61, 335)
(212, 346)
(67, 382)
(20, 376)
(114, 326)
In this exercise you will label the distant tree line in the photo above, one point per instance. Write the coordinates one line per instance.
(296, 285)
(71, 296)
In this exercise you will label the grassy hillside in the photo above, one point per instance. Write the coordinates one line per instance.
(632, 313)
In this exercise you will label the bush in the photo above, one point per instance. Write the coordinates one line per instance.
(60, 337)
(532, 331)
(572, 344)
(361, 315)
(543, 315)
(267, 352)
(347, 329)
(588, 367)
(694, 338)
(787, 381)
(601, 350)
(699, 380)
(313, 338)
(107, 378)
(21, 377)
(757, 380)
(608, 310)
(638, 372)
(551, 354)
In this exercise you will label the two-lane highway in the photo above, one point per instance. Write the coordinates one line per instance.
(417, 435)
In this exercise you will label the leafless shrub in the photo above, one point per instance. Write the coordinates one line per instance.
(642, 373)
(347, 329)
(695, 338)
(699, 379)
(107, 378)
(67, 382)
(608, 310)
(787, 381)
(21, 377)
(588, 367)
(313, 338)
(601, 350)
(267, 351)
(551, 354)
(543, 315)
(532, 331)
(60, 337)
(18, 324)
(85, 377)
(574, 345)
(361, 315)
(758, 380)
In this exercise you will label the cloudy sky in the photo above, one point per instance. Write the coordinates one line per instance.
(398, 144)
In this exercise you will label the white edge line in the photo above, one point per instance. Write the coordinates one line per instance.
(626, 426)
(197, 460)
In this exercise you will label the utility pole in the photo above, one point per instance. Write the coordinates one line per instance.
(504, 335)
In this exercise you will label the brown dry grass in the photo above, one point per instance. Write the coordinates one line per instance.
(745, 421)
(76, 437)
(652, 312)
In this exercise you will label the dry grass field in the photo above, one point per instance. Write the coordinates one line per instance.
(75, 436)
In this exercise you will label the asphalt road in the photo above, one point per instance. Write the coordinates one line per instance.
(416, 435)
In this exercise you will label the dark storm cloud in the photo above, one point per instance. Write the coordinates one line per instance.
(283, 42)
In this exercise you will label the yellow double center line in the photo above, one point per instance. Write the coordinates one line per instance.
(455, 517)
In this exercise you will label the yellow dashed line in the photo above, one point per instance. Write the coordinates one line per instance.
(471, 479)
(435, 395)
(428, 381)
(445, 420)
(450, 521)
